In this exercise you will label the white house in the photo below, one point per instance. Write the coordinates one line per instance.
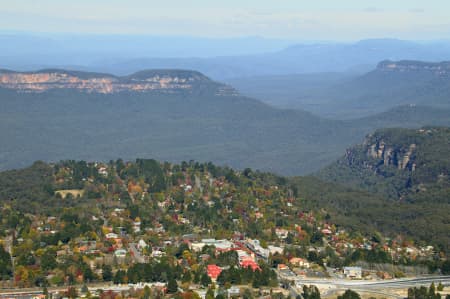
(120, 253)
(275, 249)
(142, 244)
(353, 272)
(111, 236)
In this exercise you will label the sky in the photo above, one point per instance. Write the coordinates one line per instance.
(286, 19)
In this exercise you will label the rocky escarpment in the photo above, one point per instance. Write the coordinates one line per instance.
(380, 149)
(167, 81)
(441, 69)
(402, 158)
(421, 154)
(400, 163)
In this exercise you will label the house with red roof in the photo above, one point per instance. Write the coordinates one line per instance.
(213, 271)
(246, 263)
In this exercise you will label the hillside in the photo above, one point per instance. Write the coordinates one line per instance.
(392, 84)
(85, 119)
(220, 201)
(406, 169)
(290, 91)
(410, 165)
(359, 210)
(349, 95)
(102, 117)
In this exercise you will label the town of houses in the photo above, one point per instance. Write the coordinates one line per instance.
(118, 236)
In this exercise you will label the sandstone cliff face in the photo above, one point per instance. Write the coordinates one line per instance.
(441, 69)
(165, 81)
(402, 164)
(402, 158)
(377, 151)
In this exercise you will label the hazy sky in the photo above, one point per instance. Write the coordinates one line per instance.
(292, 19)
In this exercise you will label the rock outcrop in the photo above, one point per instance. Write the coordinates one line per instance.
(401, 158)
(382, 149)
(167, 81)
(440, 69)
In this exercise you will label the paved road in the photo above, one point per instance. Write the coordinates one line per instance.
(376, 287)
(28, 293)
(383, 293)
(381, 287)
(394, 283)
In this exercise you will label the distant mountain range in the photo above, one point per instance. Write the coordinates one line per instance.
(303, 58)
(22, 50)
(172, 115)
(342, 96)
(217, 58)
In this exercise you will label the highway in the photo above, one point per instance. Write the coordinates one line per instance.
(370, 284)
(387, 288)
(27, 293)
(328, 286)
